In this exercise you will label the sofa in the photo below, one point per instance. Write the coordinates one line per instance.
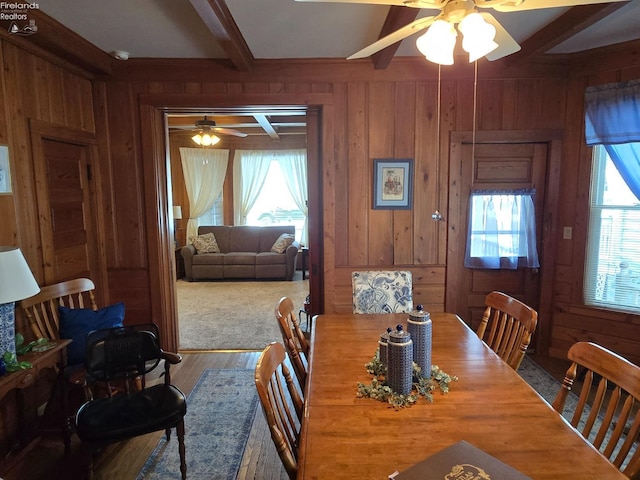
(241, 252)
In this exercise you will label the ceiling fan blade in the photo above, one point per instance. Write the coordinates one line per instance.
(506, 44)
(229, 131)
(516, 6)
(400, 34)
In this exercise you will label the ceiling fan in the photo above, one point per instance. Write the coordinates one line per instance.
(483, 36)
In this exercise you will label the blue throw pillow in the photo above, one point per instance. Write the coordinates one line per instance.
(76, 323)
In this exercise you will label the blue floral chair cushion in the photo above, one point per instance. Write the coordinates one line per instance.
(377, 291)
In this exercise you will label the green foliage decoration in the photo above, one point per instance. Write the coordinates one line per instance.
(379, 390)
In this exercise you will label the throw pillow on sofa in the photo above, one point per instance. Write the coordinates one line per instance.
(76, 323)
(282, 243)
(205, 243)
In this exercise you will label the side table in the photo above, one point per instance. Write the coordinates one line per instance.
(53, 358)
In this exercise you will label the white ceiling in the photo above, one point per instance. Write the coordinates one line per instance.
(287, 29)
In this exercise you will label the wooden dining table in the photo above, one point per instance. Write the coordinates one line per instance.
(489, 406)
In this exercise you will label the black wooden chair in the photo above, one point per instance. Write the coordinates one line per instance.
(121, 357)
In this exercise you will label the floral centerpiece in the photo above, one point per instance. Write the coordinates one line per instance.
(422, 385)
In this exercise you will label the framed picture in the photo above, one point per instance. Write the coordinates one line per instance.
(5, 173)
(392, 183)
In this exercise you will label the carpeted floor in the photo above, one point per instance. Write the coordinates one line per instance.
(234, 315)
(220, 414)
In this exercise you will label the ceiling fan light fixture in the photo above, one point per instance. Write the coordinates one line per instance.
(477, 36)
(438, 42)
(205, 138)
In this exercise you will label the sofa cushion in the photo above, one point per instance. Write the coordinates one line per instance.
(244, 238)
(209, 259)
(240, 258)
(205, 243)
(271, 258)
(283, 241)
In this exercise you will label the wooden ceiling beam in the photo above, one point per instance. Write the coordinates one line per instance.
(216, 16)
(397, 17)
(564, 27)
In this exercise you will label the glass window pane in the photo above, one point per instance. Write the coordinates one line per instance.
(612, 266)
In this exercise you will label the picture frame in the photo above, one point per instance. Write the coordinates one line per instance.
(5, 171)
(392, 184)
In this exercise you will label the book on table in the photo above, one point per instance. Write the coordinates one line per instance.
(461, 460)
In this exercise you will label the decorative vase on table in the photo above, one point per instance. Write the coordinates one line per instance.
(400, 361)
(383, 347)
(420, 327)
(16, 283)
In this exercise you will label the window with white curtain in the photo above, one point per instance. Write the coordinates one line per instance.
(215, 216)
(275, 205)
(612, 266)
(502, 230)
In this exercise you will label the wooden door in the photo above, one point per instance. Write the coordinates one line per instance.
(64, 173)
(519, 161)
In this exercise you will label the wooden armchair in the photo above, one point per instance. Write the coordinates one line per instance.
(293, 337)
(607, 410)
(507, 327)
(278, 395)
(41, 310)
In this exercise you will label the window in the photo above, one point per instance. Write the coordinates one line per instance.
(502, 231)
(612, 266)
(215, 216)
(275, 205)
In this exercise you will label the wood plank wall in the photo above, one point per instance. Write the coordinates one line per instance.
(370, 114)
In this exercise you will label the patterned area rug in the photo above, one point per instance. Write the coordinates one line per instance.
(220, 412)
(233, 315)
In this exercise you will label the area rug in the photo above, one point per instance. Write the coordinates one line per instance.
(234, 315)
(220, 412)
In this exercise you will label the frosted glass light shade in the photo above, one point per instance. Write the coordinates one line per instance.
(177, 212)
(205, 138)
(477, 36)
(438, 42)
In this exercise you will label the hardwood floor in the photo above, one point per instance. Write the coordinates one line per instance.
(123, 461)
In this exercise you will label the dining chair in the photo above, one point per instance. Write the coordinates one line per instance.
(127, 355)
(294, 339)
(382, 291)
(606, 413)
(282, 404)
(507, 327)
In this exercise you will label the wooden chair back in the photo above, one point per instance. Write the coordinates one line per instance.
(607, 410)
(293, 337)
(281, 403)
(41, 310)
(507, 327)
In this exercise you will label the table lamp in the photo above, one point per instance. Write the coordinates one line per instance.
(16, 283)
(177, 215)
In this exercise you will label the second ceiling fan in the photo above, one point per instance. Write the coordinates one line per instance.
(483, 35)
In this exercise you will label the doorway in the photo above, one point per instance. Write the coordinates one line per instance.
(513, 160)
(66, 175)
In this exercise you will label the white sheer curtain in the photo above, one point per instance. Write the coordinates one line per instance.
(204, 171)
(250, 169)
(293, 165)
(502, 230)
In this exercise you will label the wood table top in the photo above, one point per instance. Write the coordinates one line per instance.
(490, 406)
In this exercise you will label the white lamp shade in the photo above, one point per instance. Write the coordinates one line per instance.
(177, 212)
(16, 280)
(438, 42)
